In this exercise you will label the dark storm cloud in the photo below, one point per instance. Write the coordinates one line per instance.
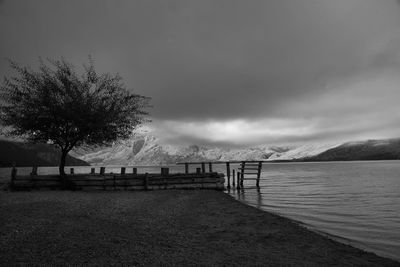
(208, 62)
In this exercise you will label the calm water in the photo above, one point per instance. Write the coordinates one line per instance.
(355, 202)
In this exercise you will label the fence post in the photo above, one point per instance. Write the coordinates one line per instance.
(229, 181)
(146, 181)
(71, 170)
(92, 170)
(210, 167)
(237, 181)
(228, 173)
(259, 173)
(122, 170)
(233, 175)
(164, 171)
(198, 170)
(203, 167)
(186, 168)
(134, 171)
(13, 176)
(102, 170)
(34, 170)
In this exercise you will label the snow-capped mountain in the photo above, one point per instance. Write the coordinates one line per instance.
(144, 149)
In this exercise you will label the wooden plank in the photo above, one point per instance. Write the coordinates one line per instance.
(186, 182)
(249, 164)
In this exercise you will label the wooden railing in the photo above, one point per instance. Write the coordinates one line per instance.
(247, 167)
(119, 181)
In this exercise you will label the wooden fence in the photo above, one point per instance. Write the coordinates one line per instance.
(248, 170)
(121, 181)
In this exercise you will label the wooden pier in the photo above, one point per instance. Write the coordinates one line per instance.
(118, 181)
(248, 170)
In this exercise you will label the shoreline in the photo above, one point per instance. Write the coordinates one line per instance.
(175, 227)
(337, 238)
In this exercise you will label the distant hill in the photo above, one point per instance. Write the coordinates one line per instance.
(366, 150)
(25, 154)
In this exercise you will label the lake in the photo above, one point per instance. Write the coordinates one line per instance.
(354, 202)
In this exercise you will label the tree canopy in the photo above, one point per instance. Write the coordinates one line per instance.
(59, 106)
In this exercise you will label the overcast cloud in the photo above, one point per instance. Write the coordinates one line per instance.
(231, 72)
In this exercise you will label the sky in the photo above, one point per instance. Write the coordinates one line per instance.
(230, 72)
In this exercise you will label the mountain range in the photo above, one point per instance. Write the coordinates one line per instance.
(147, 150)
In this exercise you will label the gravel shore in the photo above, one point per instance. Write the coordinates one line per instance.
(162, 228)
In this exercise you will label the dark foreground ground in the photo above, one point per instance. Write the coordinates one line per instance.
(182, 228)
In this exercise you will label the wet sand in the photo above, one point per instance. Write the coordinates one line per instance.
(168, 228)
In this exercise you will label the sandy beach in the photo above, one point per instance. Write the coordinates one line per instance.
(168, 228)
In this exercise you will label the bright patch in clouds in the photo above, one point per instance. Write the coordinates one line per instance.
(236, 132)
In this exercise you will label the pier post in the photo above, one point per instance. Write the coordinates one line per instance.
(186, 168)
(229, 180)
(210, 167)
(233, 175)
(134, 171)
(203, 167)
(122, 170)
(228, 172)
(92, 170)
(71, 171)
(238, 181)
(259, 173)
(242, 173)
(102, 170)
(198, 170)
(114, 183)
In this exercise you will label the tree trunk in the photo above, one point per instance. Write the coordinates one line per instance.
(62, 162)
